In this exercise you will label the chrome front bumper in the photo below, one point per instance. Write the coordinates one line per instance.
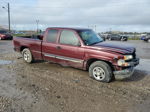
(126, 73)
(122, 74)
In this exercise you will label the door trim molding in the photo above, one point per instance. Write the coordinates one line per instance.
(63, 58)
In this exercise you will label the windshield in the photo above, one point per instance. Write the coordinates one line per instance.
(89, 37)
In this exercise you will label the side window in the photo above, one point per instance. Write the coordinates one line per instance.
(52, 35)
(69, 38)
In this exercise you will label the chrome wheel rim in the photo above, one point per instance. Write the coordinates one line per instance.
(26, 56)
(99, 73)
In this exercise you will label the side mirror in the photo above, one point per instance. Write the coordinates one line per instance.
(40, 37)
(79, 44)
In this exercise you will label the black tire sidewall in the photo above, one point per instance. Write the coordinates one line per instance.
(105, 67)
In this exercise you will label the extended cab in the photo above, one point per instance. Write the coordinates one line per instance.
(80, 48)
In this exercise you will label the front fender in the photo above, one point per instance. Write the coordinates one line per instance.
(93, 58)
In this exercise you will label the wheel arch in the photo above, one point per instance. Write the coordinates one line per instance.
(92, 60)
(22, 48)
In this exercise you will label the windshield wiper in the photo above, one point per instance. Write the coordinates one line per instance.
(96, 42)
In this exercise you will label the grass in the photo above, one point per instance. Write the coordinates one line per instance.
(134, 38)
(19, 35)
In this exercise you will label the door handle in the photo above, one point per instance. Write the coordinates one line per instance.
(58, 47)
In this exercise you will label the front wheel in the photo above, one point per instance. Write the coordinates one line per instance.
(27, 56)
(109, 39)
(100, 71)
(122, 39)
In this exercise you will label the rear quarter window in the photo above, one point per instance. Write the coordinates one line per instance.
(52, 36)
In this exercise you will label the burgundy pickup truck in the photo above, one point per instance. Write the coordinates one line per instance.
(80, 48)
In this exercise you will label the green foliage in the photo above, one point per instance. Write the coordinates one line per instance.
(134, 38)
(19, 35)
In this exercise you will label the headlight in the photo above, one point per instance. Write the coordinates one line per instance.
(128, 57)
(122, 62)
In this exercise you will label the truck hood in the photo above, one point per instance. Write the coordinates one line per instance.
(117, 47)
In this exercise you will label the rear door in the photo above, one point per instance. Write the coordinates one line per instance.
(49, 44)
(69, 50)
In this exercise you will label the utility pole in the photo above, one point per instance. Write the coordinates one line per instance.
(8, 9)
(9, 16)
(37, 23)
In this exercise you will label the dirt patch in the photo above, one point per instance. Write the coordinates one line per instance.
(48, 87)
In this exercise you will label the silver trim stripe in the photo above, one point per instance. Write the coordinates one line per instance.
(36, 51)
(64, 58)
(49, 55)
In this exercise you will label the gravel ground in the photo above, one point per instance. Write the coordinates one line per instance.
(48, 87)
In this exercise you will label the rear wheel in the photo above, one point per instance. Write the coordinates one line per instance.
(27, 56)
(100, 71)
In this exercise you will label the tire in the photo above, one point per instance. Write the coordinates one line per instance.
(109, 38)
(27, 55)
(11, 38)
(122, 39)
(126, 39)
(100, 71)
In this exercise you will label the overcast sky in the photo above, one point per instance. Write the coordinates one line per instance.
(116, 15)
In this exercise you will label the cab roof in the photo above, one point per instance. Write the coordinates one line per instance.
(70, 28)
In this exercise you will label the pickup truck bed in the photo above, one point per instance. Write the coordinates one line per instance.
(34, 44)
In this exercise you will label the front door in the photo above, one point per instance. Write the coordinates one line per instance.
(69, 50)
